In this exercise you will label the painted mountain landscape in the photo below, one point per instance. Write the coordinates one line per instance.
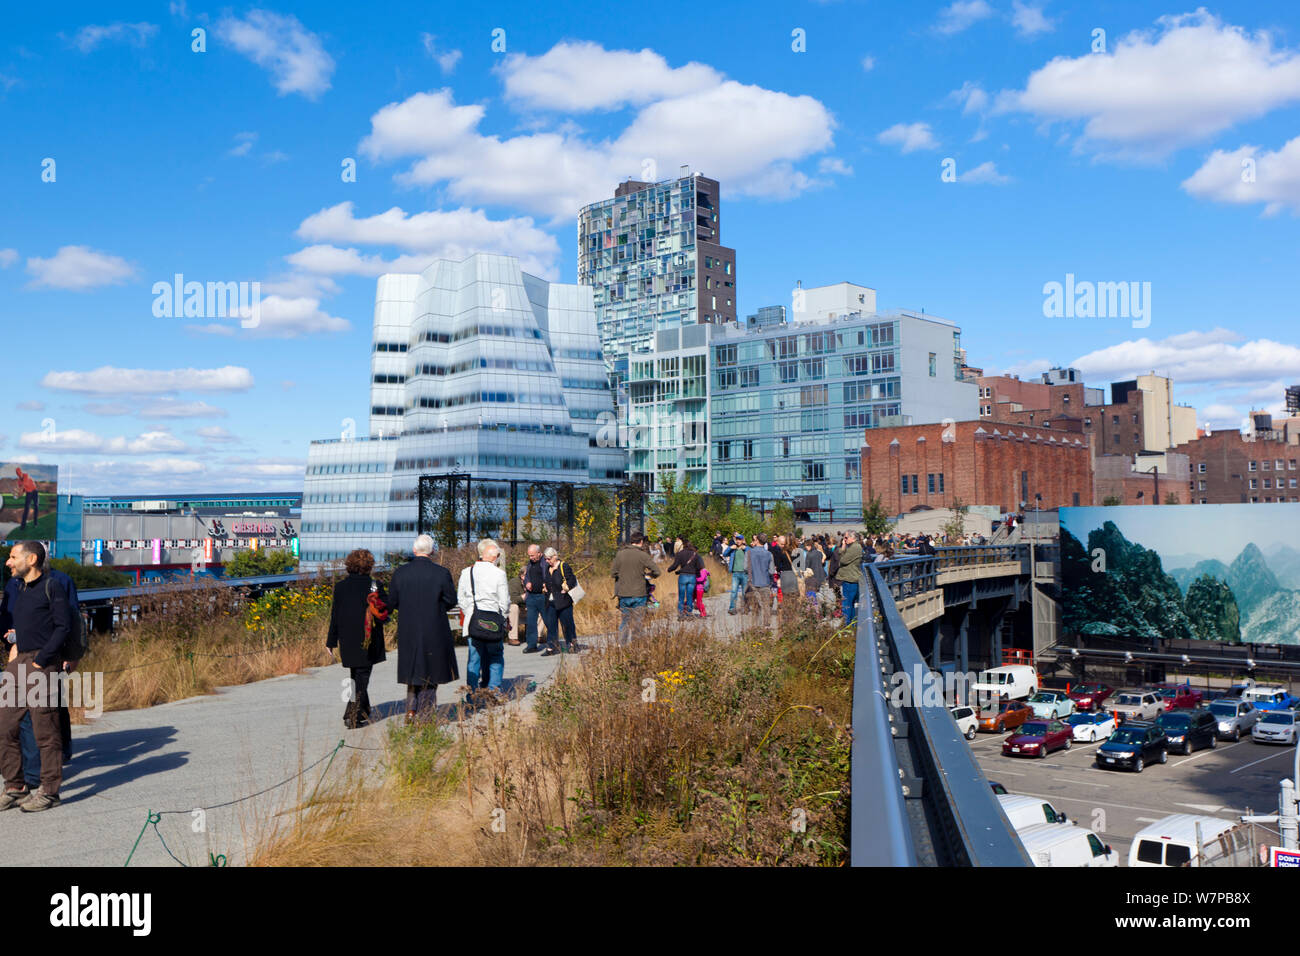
(1207, 572)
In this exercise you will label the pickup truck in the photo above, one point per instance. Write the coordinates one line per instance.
(1270, 697)
(1137, 705)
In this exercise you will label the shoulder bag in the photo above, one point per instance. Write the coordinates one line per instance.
(484, 625)
(576, 593)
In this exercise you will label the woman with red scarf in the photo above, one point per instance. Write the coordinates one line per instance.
(357, 619)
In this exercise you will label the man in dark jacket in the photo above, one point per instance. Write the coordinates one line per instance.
(534, 578)
(42, 620)
(31, 753)
(423, 593)
(632, 570)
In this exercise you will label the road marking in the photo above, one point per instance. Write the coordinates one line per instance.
(1193, 757)
(1280, 753)
(1117, 806)
(1146, 819)
(1203, 807)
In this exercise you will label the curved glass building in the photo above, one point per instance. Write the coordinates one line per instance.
(476, 368)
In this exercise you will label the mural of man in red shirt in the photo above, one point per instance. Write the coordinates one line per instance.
(31, 497)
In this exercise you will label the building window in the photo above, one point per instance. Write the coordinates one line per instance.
(852, 469)
(1267, 465)
(1087, 423)
(1200, 468)
(1254, 465)
(905, 484)
(934, 365)
(1200, 486)
(814, 470)
(915, 487)
(1254, 484)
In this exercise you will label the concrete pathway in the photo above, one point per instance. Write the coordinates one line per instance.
(207, 752)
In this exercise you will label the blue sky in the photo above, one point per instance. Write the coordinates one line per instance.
(1123, 164)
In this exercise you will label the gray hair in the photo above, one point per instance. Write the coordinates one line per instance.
(550, 553)
(423, 545)
(485, 544)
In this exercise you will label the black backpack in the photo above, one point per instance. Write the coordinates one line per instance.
(74, 648)
(833, 563)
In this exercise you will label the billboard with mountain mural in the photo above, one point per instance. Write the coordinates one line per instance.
(1207, 572)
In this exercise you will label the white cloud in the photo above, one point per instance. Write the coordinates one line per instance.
(284, 317)
(78, 268)
(449, 234)
(170, 408)
(1029, 20)
(832, 165)
(1157, 91)
(446, 59)
(745, 136)
(31, 406)
(281, 45)
(984, 173)
(243, 144)
(1251, 175)
(136, 34)
(972, 98)
(108, 380)
(107, 409)
(909, 137)
(75, 441)
(868, 64)
(578, 77)
(1218, 357)
(8, 257)
(217, 434)
(962, 14)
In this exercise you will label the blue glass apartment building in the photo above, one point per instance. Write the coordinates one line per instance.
(476, 368)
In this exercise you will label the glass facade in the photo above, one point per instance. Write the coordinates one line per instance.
(476, 368)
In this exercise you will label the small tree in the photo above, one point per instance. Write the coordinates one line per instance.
(1172, 498)
(247, 564)
(1111, 501)
(874, 517)
(955, 526)
(780, 520)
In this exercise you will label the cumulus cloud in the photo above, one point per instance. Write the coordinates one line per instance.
(746, 136)
(446, 59)
(8, 257)
(216, 434)
(75, 441)
(909, 137)
(961, 15)
(1158, 90)
(578, 77)
(868, 64)
(1218, 357)
(984, 173)
(1028, 19)
(78, 268)
(1250, 175)
(31, 406)
(281, 45)
(108, 380)
(136, 34)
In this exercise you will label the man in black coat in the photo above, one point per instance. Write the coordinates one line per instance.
(422, 592)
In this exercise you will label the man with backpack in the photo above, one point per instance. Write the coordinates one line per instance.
(41, 623)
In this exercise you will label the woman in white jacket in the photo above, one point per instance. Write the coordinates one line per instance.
(483, 586)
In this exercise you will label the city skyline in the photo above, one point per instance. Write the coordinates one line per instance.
(488, 133)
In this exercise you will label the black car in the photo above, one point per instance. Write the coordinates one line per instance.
(1136, 744)
(1188, 730)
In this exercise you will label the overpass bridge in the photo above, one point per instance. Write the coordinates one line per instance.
(918, 796)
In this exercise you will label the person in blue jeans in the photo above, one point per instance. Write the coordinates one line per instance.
(849, 576)
(483, 587)
(735, 556)
(687, 564)
(534, 578)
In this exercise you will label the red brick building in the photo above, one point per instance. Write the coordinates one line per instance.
(979, 462)
(1227, 468)
(1118, 478)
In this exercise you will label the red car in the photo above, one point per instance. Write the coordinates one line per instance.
(1187, 699)
(1010, 713)
(1036, 738)
(1090, 696)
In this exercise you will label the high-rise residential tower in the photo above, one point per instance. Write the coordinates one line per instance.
(653, 258)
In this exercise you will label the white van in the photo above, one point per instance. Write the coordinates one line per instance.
(1025, 811)
(1008, 682)
(1055, 844)
(1171, 841)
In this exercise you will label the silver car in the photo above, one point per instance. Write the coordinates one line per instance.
(1275, 727)
(1235, 717)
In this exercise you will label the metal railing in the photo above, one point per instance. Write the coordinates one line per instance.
(919, 797)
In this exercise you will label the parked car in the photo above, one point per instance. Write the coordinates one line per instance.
(1169, 693)
(1137, 705)
(1090, 696)
(1050, 844)
(1235, 717)
(1092, 726)
(1211, 694)
(1029, 811)
(967, 720)
(997, 787)
(1038, 738)
(1008, 682)
(1171, 841)
(1006, 716)
(1270, 697)
(1275, 727)
(1239, 689)
(1134, 745)
(1188, 730)
(1051, 703)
